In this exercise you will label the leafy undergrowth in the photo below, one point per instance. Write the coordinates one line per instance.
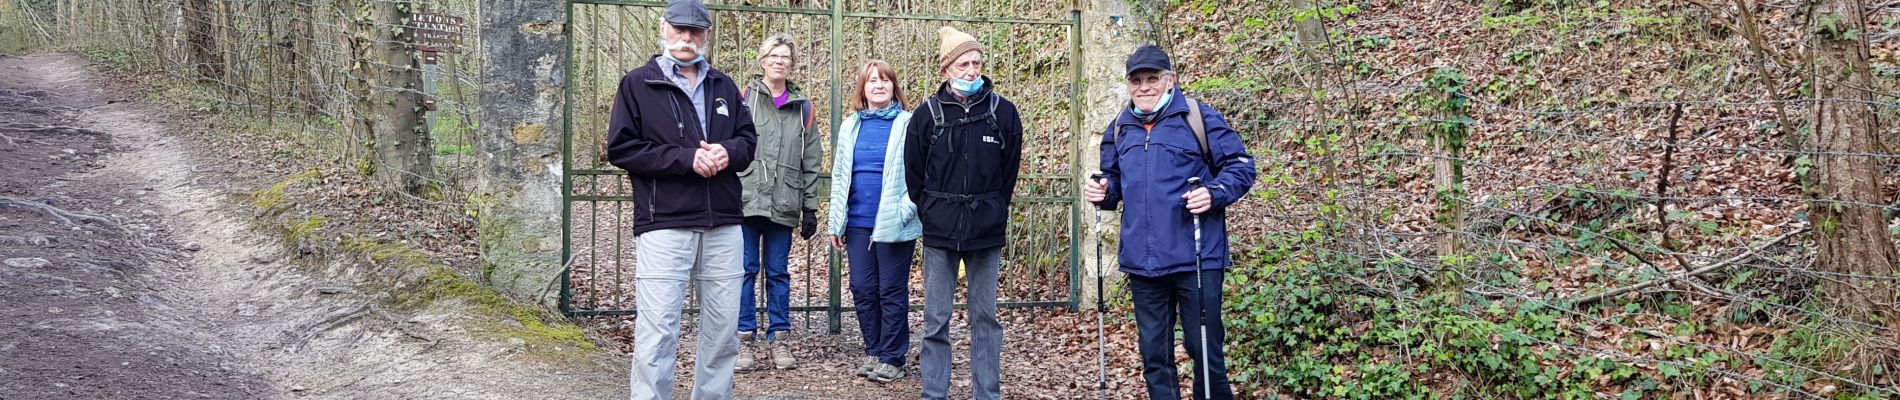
(1601, 145)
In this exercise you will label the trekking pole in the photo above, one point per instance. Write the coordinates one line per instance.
(1101, 301)
(1207, 381)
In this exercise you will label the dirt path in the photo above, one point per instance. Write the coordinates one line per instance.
(129, 275)
(134, 269)
(85, 305)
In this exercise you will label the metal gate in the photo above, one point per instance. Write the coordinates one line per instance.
(1032, 55)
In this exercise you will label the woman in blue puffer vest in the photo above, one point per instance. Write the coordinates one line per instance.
(873, 219)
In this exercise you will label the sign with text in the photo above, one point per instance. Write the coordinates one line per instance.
(436, 32)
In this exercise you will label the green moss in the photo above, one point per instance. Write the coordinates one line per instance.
(268, 200)
(297, 231)
(440, 283)
(432, 282)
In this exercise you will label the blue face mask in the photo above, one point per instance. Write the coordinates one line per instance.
(1162, 105)
(699, 53)
(677, 63)
(966, 88)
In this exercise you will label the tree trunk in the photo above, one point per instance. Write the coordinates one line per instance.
(1308, 31)
(303, 85)
(1850, 228)
(226, 35)
(199, 39)
(1452, 108)
(386, 83)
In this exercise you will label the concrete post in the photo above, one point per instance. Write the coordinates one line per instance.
(1111, 31)
(518, 204)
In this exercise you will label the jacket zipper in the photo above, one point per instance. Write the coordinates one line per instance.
(1148, 138)
(680, 123)
(963, 224)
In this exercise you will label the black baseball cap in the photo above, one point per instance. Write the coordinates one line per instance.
(1149, 57)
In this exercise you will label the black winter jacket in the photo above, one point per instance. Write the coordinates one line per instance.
(964, 177)
(654, 133)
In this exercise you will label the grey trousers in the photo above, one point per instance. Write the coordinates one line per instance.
(986, 335)
(666, 260)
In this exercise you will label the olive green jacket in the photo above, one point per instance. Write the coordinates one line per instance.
(782, 181)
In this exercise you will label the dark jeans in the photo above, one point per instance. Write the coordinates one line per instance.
(880, 288)
(769, 245)
(1157, 302)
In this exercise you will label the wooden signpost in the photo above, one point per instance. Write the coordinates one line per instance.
(434, 34)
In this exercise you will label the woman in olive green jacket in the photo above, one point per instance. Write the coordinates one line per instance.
(779, 194)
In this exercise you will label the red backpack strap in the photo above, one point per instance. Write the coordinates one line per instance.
(808, 115)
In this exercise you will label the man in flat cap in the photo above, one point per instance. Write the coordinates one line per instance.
(681, 130)
(1174, 165)
(962, 152)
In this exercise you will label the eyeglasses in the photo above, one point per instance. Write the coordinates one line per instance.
(1151, 80)
(778, 58)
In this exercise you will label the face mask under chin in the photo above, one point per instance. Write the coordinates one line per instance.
(966, 88)
(699, 53)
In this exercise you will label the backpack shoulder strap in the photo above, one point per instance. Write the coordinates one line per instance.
(936, 110)
(808, 115)
(1199, 124)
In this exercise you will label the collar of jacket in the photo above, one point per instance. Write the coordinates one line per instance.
(1178, 106)
(653, 75)
(946, 95)
(765, 93)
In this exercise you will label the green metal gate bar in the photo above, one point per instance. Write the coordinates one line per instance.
(837, 15)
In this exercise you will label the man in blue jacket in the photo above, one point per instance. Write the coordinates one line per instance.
(1148, 155)
(681, 130)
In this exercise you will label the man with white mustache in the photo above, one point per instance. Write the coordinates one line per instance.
(682, 132)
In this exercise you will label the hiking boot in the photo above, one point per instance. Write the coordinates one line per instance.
(885, 373)
(782, 357)
(870, 363)
(745, 362)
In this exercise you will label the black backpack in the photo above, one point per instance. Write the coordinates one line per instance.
(936, 117)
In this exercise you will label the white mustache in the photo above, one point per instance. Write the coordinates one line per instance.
(682, 45)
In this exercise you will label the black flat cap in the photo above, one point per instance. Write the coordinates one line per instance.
(688, 14)
(1149, 57)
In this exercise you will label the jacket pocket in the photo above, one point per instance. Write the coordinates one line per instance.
(722, 192)
(787, 197)
(989, 219)
(944, 216)
(661, 205)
